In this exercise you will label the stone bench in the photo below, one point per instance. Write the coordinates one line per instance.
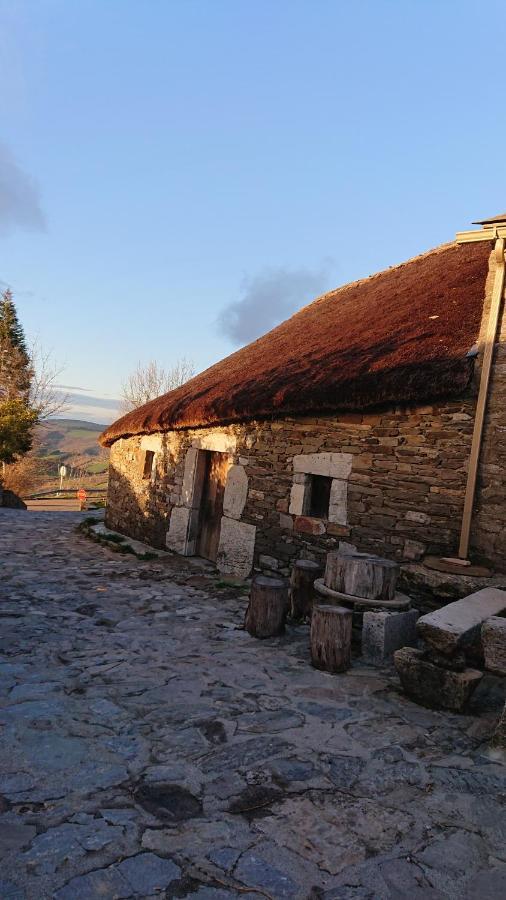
(457, 626)
(438, 676)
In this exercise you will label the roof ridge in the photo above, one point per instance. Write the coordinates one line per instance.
(365, 278)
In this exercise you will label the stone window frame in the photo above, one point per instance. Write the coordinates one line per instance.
(336, 466)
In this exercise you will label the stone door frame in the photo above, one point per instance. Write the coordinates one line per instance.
(237, 539)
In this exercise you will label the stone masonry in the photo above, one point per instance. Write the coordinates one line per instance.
(397, 487)
(403, 495)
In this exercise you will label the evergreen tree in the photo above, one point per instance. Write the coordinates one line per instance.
(16, 372)
(16, 427)
(11, 330)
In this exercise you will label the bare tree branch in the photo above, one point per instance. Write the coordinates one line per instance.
(45, 398)
(151, 380)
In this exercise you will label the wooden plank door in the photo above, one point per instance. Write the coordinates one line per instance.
(211, 508)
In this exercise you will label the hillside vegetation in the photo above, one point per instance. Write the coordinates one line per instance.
(74, 444)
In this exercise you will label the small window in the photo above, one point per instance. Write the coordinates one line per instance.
(319, 496)
(148, 464)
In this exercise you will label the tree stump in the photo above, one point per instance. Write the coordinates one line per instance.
(331, 638)
(361, 575)
(267, 608)
(302, 580)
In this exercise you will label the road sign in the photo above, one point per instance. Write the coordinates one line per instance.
(63, 471)
(81, 495)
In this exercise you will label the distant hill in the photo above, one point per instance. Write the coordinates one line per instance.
(72, 443)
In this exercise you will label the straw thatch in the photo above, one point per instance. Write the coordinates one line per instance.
(401, 336)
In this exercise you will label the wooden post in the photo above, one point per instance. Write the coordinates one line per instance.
(481, 404)
(361, 575)
(302, 580)
(267, 608)
(331, 638)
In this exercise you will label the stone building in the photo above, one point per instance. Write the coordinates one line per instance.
(350, 422)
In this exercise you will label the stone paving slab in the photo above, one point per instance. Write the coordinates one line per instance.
(149, 747)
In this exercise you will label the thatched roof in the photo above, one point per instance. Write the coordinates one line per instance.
(401, 336)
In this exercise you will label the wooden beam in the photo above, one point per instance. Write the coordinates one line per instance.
(481, 405)
(488, 233)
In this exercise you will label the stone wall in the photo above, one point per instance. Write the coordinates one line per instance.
(400, 484)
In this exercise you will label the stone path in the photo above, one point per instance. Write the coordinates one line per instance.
(150, 747)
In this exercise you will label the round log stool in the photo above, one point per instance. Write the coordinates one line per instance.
(267, 608)
(302, 580)
(361, 575)
(331, 638)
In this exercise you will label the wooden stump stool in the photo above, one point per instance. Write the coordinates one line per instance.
(304, 573)
(361, 575)
(267, 608)
(331, 638)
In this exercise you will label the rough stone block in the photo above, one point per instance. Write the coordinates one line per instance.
(285, 522)
(236, 547)
(384, 632)
(433, 685)
(420, 518)
(414, 549)
(152, 442)
(458, 624)
(338, 530)
(333, 465)
(268, 562)
(338, 503)
(499, 738)
(493, 639)
(190, 468)
(297, 498)
(307, 525)
(236, 492)
(177, 536)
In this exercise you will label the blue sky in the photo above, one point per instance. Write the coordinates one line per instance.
(176, 176)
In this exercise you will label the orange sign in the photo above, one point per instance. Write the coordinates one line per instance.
(82, 495)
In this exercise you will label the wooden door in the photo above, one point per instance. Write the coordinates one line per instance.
(211, 507)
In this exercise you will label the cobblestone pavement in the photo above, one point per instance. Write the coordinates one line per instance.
(151, 747)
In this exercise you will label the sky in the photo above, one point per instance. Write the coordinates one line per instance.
(178, 176)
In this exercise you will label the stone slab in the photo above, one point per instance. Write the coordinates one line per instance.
(384, 632)
(190, 469)
(177, 535)
(332, 465)
(338, 502)
(432, 685)
(458, 624)
(297, 499)
(309, 525)
(236, 492)
(493, 639)
(236, 548)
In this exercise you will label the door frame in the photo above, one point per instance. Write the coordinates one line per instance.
(203, 481)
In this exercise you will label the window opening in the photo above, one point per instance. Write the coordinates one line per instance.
(148, 464)
(319, 497)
